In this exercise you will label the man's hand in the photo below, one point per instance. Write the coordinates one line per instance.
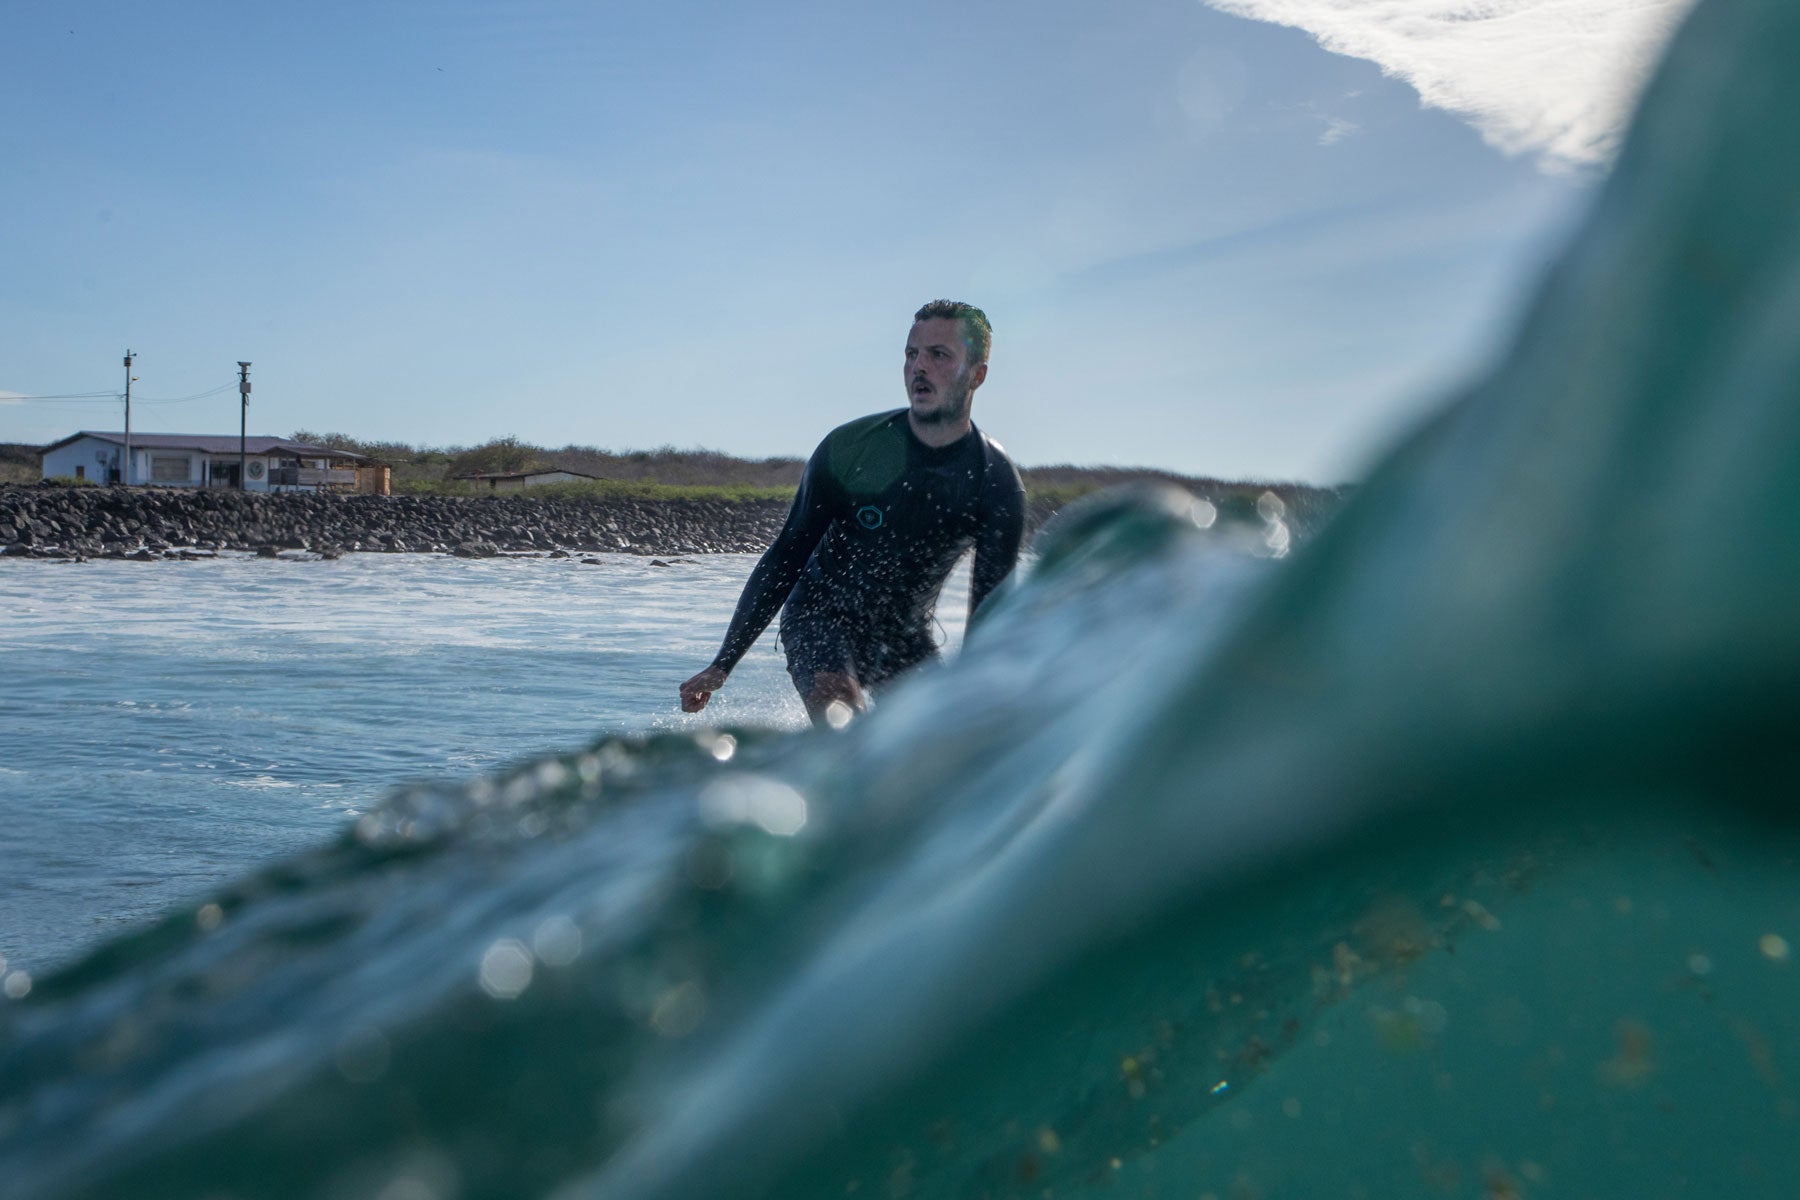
(698, 690)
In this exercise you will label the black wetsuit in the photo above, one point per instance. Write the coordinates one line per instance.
(879, 522)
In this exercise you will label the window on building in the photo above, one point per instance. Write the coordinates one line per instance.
(165, 468)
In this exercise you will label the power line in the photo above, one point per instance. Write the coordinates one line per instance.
(53, 403)
(224, 387)
(111, 397)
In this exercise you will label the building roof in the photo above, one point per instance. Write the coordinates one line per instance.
(504, 476)
(207, 443)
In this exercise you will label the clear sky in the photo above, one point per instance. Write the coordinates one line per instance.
(1205, 242)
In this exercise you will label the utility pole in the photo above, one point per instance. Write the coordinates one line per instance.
(125, 474)
(243, 422)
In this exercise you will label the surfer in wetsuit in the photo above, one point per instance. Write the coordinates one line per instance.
(886, 507)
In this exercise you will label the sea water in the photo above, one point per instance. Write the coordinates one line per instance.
(1450, 855)
(165, 726)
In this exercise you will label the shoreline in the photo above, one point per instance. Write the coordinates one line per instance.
(77, 524)
(81, 523)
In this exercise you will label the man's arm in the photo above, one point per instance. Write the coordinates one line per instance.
(769, 584)
(1002, 529)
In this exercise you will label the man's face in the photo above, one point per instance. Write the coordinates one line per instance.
(939, 376)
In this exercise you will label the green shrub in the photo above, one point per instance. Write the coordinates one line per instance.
(602, 489)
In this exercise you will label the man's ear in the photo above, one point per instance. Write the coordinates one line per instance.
(979, 375)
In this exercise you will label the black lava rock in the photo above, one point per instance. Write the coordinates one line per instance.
(115, 522)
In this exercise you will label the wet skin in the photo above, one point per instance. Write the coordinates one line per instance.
(940, 380)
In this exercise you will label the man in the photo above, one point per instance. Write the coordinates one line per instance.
(887, 506)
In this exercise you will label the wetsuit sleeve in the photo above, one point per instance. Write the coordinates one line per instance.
(1002, 529)
(781, 564)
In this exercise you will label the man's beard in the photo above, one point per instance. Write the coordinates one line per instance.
(954, 410)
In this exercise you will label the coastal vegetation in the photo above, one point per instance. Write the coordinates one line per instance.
(667, 473)
(18, 463)
(664, 473)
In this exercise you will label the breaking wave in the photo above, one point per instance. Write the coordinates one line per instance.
(1453, 852)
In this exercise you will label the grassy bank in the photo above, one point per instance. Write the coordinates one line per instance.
(435, 470)
(604, 489)
(18, 463)
(671, 474)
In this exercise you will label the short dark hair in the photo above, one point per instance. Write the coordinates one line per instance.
(974, 323)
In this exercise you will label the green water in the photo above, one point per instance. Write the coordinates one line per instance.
(1450, 856)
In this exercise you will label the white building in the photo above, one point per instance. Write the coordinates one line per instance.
(198, 460)
(514, 481)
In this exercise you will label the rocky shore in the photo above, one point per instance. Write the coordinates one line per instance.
(149, 524)
(73, 523)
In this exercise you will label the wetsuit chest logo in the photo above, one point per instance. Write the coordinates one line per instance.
(870, 517)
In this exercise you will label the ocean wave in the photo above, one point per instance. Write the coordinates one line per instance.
(1451, 854)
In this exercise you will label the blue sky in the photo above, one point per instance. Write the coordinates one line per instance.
(1205, 243)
